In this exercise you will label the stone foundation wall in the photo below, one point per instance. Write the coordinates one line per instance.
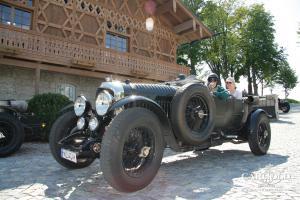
(19, 83)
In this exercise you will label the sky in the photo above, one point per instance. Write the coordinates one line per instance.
(287, 21)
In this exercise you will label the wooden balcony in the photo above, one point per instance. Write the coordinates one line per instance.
(67, 56)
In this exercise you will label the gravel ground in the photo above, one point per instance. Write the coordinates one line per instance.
(225, 172)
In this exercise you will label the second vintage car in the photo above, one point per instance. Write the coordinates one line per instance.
(132, 124)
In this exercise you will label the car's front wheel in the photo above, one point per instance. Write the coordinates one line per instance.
(260, 137)
(132, 149)
(63, 128)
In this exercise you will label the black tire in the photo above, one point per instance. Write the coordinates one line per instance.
(11, 134)
(126, 137)
(259, 139)
(285, 107)
(61, 128)
(188, 126)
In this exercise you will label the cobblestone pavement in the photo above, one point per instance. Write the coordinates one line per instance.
(225, 172)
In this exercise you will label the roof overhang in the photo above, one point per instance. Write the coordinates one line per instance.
(182, 21)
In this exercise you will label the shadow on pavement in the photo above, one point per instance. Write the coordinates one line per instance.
(204, 175)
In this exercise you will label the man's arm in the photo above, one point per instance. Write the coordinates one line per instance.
(221, 93)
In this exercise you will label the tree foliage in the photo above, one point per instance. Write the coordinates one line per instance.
(244, 44)
(259, 49)
(219, 52)
(286, 77)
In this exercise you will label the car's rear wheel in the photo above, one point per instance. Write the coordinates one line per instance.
(132, 149)
(260, 137)
(192, 114)
(62, 128)
(11, 134)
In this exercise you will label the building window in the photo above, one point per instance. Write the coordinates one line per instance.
(29, 3)
(116, 42)
(68, 90)
(15, 17)
(5, 14)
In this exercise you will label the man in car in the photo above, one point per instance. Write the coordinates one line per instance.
(231, 87)
(217, 90)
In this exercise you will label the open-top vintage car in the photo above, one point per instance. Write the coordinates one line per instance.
(16, 124)
(133, 123)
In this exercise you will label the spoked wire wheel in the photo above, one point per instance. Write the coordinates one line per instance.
(11, 134)
(138, 151)
(132, 149)
(6, 133)
(259, 138)
(263, 135)
(196, 113)
(193, 113)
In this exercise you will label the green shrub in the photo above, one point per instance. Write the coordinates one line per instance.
(293, 101)
(46, 108)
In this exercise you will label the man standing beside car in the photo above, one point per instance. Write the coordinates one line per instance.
(217, 90)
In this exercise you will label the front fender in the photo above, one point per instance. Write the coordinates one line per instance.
(65, 109)
(141, 101)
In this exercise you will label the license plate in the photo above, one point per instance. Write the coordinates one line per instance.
(68, 155)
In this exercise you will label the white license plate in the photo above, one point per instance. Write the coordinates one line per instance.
(68, 155)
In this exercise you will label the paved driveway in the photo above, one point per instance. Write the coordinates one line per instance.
(225, 172)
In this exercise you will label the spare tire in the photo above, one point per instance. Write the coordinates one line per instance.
(192, 114)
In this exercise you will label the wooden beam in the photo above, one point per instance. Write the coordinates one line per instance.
(51, 68)
(65, 70)
(37, 79)
(169, 6)
(190, 24)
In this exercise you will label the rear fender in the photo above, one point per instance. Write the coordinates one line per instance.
(140, 101)
(4, 109)
(253, 119)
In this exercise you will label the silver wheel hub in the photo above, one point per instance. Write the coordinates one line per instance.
(144, 152)
(97, 147)
(2, 136)
(266, 134)
(201, 114)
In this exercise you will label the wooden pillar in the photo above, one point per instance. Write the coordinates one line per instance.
(37, 80)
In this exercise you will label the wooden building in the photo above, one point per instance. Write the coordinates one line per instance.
(69, 46)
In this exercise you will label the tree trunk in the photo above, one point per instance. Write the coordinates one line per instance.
(193, 68)
(262, 88)
(249, 81)
(286, 93)
(254, 82)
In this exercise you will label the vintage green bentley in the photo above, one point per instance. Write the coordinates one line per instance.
(132, 124)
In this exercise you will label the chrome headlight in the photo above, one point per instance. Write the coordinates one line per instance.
(103, 101)
(80, 105)
(80, 123)
(93, 123)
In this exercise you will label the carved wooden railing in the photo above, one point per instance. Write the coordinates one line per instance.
(47, 49)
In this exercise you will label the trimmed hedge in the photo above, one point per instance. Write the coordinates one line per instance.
(46, 108)
(293, 101)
